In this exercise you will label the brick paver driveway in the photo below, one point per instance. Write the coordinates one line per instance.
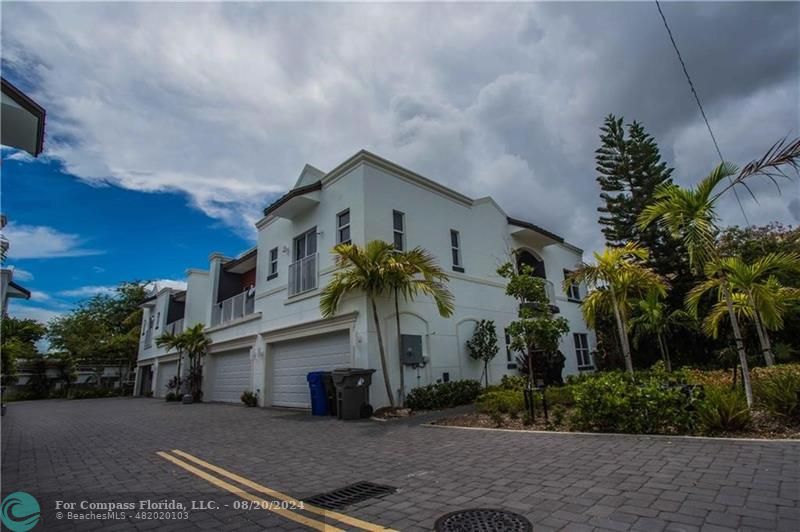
(105, 450)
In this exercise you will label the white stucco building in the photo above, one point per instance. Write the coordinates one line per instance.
(261, 308)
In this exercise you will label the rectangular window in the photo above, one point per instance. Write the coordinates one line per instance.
(273, 264)
(508, 346)
(158, 319)
(343, 227)
(455, 250)
(582, 350)
(305, 244)
(574, 291)
(398, 223)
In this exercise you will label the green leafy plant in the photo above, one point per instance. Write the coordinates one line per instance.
(483, 345)
(560, 395)
(171, 397)
(723, 410)
(499, 403)
(443, 395)
(249, 398)
(641, 403)
(778, 393)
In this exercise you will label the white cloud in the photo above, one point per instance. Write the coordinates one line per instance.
(87, 291)
(40, 297)
(226, 103)
(22, 275)
(23, 310)
(155, 286)
(42, 242)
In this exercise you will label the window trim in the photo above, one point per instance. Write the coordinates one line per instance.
(575, 287)
(582, 349)
(304, 235)
(401, 231)
(455, 252)
(340, 227)
(273, 264)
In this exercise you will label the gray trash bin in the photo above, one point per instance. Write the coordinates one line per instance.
(352, 392)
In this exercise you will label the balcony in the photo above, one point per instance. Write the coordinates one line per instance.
(176, 327)
(303, 275)
(233, 308)
(550, 291)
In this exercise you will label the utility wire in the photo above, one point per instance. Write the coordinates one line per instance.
(699, 105)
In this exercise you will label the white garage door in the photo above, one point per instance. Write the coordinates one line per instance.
(293, 360)
(230, 376)
(166, 370)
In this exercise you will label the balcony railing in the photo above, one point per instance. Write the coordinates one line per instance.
(303, 275)
(550, 291)
(233, 308)
(176, 327)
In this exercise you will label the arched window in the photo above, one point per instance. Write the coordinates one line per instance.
(526, 258)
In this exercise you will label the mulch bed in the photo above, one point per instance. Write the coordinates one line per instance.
(763, 426)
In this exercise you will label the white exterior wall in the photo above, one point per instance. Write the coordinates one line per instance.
(198, 301)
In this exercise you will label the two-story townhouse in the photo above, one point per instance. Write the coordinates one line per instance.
(267, 337)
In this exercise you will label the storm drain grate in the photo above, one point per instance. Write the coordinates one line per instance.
(344, 497)
(482, 520)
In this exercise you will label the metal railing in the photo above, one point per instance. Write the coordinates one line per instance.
(176, 327)
(550, 290)
(233, 308)
(303, 275)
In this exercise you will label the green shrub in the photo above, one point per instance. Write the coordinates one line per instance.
(560, 395)
(723, 410)
(171, 397)
(443, 395)
(94, 393)
(500, 403)
(249, 398)
(513, 382)
(646, 403)
(778, 393)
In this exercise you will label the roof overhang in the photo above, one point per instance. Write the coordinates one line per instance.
(21, 120)
(15, 290)
(295, 202)
(532, 233)
(242, 264)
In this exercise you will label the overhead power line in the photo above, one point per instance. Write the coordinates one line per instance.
(699, 104)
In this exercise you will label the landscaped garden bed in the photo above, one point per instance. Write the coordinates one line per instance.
(685, 402)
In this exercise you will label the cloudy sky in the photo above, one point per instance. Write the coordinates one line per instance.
(171, 125)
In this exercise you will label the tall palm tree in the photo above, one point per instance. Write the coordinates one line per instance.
(757, 294)
(416, 272)
(617, 275)
(196, 345)
(175, 342)
(653, 318)
(690, 214)
(376, 270)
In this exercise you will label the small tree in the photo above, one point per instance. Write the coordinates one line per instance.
(196, 345)
(537, 331)
(483, 346)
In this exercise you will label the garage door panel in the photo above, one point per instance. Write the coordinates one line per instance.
(293, 360)
(166, 370)
(230, 376)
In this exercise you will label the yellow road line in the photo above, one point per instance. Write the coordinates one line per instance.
(342, 518)
(312, 523)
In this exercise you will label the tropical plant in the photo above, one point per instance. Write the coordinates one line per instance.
(723, 410)
(537, 331)
(195, 344)
(483, 345)
(249, 398)
(779, 393)
(653, 318)
(689, 215)
(498, 403)
(416, 272)
(177, 342)
(376, 270)
(443, 395)
(616, 278)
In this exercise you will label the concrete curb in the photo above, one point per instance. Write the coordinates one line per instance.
(656, 436)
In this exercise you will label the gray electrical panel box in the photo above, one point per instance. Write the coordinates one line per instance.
(411, 347)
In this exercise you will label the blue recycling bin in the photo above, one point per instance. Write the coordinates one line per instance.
(319, 398)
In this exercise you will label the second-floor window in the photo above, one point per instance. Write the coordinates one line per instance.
(398, 222)
(305, 244)
(582, 350)
(273, 264)
(343, 227)
(574, 291)
(455, 248)
(158, 319)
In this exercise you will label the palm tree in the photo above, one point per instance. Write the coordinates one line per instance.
(653, 318)
(376, 270)
(757, 295)
(195, 343)
(617, 275)
(416, 272)
(178, 343)
(689, 214)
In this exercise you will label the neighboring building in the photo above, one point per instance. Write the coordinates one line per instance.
(8, 288)
(21, 120)
(261, 308)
